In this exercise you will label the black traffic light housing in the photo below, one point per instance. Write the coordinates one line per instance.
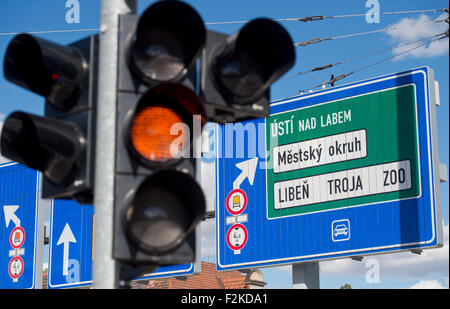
(60, 144)
(237, 70)
(157, 202)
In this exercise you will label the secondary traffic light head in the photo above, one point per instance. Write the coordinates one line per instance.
(52, 146)
(237, 70)
(60, 144)
(54, 71)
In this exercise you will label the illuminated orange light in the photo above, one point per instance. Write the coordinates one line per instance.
(150, 132)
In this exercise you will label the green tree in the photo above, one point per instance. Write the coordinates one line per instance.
(346, 286)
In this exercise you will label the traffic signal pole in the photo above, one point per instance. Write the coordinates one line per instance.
(105, 271)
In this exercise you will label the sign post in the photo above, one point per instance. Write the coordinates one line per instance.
(351, 170)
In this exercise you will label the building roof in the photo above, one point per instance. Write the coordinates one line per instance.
(209, 278)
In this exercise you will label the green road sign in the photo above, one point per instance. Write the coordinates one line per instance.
(351, 152)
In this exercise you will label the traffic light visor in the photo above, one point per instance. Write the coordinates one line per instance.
(53, 71)
(51, 146)
(252, 59)
(169, 36)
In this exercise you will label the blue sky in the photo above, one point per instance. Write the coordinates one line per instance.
(397, 270)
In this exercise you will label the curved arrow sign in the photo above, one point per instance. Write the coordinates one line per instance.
(248, 169)
(9, 211)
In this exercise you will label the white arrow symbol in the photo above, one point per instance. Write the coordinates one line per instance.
(9, 211)
(65, 238)
(248, 169)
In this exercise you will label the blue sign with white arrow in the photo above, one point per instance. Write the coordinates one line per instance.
(71, 239)
(19, 201)
(71, 248)
(346, 171)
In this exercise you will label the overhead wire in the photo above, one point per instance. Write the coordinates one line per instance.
(308, 42)
(322, 17)
(342, 76)
(49, 31)
(327, 66)
(388, 13)
(318, 40)
(332, 80)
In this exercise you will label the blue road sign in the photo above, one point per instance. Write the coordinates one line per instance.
(71, 239)
(172, 271)
(346, 171)
(71, 248)
(19, 201)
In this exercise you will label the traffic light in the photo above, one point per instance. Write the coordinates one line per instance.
(61, 143)
(162, 104)
(237, 70)
(158, 202)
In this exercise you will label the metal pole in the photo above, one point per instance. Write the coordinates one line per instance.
(305, 276)
(104, 272)
(43, 208)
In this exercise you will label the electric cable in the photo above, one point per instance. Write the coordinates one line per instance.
(428, 41)
(342, 76)
(322, 17)
(327, 66)
(318, 40)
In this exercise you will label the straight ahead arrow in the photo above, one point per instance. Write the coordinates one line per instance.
(66, 238)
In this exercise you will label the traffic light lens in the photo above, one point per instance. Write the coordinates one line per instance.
(54, 76)
(158, 61)
(165, 209)
(169, 36)
(160, 129)
(150, 133)
(241, 81)
(251, 60)
(159, 218)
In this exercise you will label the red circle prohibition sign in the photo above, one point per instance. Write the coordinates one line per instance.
(241, 208)
(237, 227)
(16, 259)
(17, 237)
